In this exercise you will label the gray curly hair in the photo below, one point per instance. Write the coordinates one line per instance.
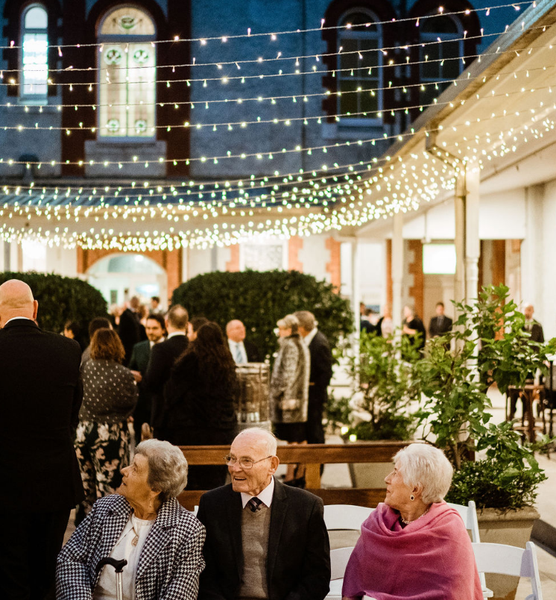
(167, 467)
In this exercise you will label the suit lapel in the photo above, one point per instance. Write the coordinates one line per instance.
(234, 512)
(277, 517)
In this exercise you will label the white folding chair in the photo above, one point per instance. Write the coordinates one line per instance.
(342, 517)
(509, 560)
(338, 562)
(345, 516)
(469, 516)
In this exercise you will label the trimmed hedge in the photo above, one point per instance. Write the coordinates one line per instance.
(61, 299)
(260, 299)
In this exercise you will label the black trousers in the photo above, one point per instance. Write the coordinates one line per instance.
(29, 545)
(317, 400)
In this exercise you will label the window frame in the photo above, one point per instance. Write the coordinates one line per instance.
(359, 121)
(33, 99)
(125, 39)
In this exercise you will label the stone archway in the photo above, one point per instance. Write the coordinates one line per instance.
(171, 261)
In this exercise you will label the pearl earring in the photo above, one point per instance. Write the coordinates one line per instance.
(412, 497)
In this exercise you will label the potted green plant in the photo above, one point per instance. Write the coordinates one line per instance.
(492, 467)
(384, 385)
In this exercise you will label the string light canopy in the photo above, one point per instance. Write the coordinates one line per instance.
(146, 215)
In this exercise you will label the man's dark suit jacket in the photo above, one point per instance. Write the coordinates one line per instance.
(298, 561)
(537, 333)
(319, 380)
(129, 331)
(40, 397)
(252, 351)
(437, 328)
(162, 359)
(139, 362)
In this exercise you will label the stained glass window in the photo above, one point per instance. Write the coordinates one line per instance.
(127, 75)
(359, 62)
(35, 53)
(440, 56)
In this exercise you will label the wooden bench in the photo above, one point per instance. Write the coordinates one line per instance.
(313, 455)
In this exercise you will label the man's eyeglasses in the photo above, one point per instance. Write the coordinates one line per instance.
(244, 463)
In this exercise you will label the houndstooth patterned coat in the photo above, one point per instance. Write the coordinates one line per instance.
(170, 562)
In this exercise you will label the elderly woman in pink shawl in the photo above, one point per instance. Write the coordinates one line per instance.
(414, 546)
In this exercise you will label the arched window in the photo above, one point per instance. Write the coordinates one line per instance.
(359, 72)
(34, 55)
(440, 55)
(127, 74)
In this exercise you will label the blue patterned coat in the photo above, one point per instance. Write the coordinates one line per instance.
(170, 563)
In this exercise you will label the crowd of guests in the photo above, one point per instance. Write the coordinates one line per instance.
(64, 441)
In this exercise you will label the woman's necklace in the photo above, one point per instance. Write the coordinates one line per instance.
(408, 522)
(135, 540)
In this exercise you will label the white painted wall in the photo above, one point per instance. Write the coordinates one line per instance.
(199, 262)
(544, 267)
(501, 216)
(314, 256)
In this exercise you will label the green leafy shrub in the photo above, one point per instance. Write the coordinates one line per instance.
(260, 299)
(489, 346)
(383, 373)
(61, 299)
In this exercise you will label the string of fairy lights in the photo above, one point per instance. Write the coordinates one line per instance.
(323, 196)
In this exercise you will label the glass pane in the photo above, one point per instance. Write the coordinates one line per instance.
(127, 90)
(35, 64)
(349, 59)
(141, 90)
(127, 21)
(431, 68)
(348, 100)
(36, 18)
(440, 24)
(113, 68)
(367, 102)
(369, 52)
(360, 21)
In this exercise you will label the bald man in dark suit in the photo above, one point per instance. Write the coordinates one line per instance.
(40, 397)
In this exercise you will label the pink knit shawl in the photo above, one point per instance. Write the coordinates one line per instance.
(430, 559)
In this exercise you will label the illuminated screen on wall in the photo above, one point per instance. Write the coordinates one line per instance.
(439, 259)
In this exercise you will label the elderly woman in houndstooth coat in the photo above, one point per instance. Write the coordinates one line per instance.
(144, 524)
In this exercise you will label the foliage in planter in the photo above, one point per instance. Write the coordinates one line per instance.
(507, 479)
(61, 299)
(385, 386)
(260, 299)
(456, 407)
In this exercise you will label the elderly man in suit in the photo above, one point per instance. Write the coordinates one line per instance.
(319, 376)
(440, 324)
(243, 351)
(40, 395)
(155, 329)
(264, 540)
(162, 359)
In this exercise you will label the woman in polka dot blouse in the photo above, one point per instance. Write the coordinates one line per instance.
(102, 437)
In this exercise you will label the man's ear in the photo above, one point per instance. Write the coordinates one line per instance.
(35, 309)
(274, 462)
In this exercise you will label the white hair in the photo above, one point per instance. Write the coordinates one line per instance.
(167, 467)
(267, 436)
(426, 466)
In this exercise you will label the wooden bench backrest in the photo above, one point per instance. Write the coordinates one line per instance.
(313, 455)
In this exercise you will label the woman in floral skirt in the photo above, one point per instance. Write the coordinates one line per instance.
(102, 436)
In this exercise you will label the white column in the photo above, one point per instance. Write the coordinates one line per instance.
(397, 268)
(472, 242)
(355, 289)
(532, 252)
(459, 211)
